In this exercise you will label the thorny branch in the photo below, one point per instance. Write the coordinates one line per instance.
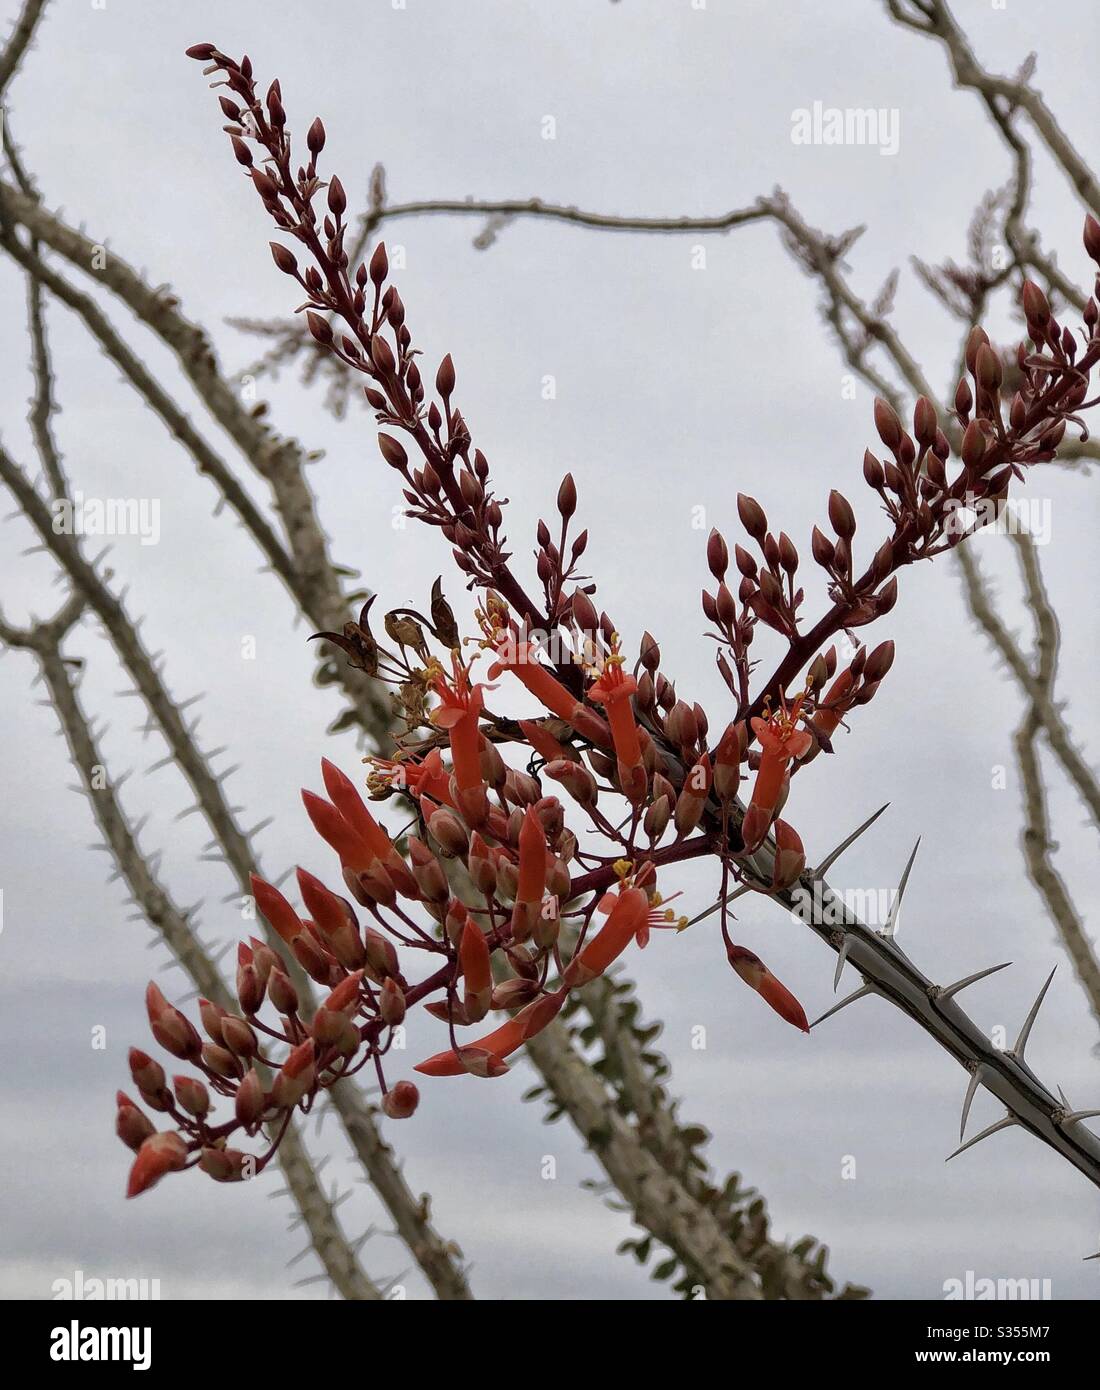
(175, 926)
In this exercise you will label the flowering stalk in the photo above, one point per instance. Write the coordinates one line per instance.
(403, 938)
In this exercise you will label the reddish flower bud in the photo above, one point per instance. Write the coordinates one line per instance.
(1091, 237)
(887, 424)
(1036, 308)
(159, 1154)
(841, 516)
(172, 1030)
(401, 1102)
(448, 831)
(391, 450)
(753, 517)
(575, 778)
(250, 1100)
(477, 973)
(296, 1077)
(148, 1076)
(226, 1165)
(391, 1002)
(790, 857)
(192, 1095)
(973, 445)
(275, 908)
(758, 977)
(315, 136)
(925, 423)
(131, 1125)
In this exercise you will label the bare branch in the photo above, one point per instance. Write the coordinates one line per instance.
(174, 927)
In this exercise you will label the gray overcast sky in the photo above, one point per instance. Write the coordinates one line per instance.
(676, 386)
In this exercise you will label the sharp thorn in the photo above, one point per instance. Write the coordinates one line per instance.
(1020, 1045)
(1075, 1116)
(830, 859)
(991, 1129)
(723, 902)
(968, 1099)
(842, 957)
(851, 999)
(949, 990)
(892, 921)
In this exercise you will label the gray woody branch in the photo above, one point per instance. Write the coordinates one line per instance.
(173, 924)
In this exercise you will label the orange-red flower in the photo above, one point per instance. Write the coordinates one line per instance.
(351, 806)
(477, 972)
(419, 777)
(613, 690)
(461, 703)
(628, 915)
(757, 975)
(520, 657)
(781, 742)
(485, 1056)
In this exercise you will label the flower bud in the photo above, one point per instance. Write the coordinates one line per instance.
(973, 445)
(887, 424)
(172, 1030)
(841, 517)
(925, 423)
(790, 857)
(131, 1125)
(753, 517)
(250, 1100)
(159, 1154)
(401, 1102)
(391, 1002)
(296, 1077)
(448, 831)
(192, 1095)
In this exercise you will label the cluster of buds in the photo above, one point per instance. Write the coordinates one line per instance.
(496, 904)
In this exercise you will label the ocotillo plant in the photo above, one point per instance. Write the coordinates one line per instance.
(651, 786)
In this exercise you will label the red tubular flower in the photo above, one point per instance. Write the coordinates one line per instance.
(338, 927)
(276, 909)
(781, 742)
(353, 850)
(521, 659)
(613, 690)
(426, 777)
(532, 859)
(487, 1053)
(629, 914)
(350, 804)
(477, 972)
(758, 977)
(461, 702)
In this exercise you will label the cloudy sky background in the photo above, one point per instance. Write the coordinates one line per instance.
(676, 387)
